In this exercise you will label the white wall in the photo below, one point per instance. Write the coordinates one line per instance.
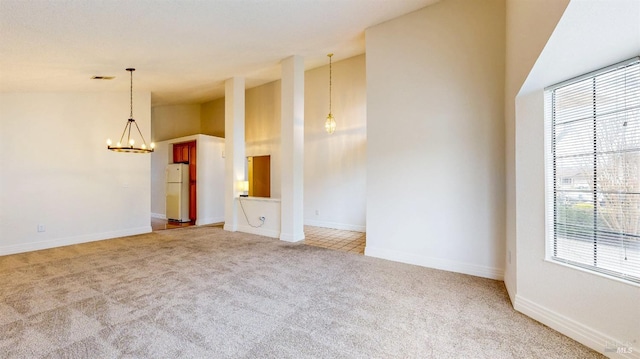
(335, 165)
(435, 138)
(250, 209)
(209, 173)
(529, 25)
(597, 311)
(55, 169)
(160, 158)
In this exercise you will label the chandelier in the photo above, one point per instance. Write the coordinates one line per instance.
(130, 144)
(330, 123)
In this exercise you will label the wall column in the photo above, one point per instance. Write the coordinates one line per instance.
(292, 147)
(234, 148)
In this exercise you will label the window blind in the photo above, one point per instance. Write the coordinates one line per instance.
(593, 171)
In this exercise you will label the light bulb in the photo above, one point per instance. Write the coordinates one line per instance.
(108, 142)
(153, 145)
(119, 144)
(330, 124)
(131, 142)
(144, 147)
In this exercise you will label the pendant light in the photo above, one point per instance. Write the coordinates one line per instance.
(330, 123)
(130, 144)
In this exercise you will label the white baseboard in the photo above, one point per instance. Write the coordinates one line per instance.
(289, 237)
(577, 331)
(210, 220)
(437, 263)
(158, 215)
(230, 228)
(60, 242)
(259, 231)
(342, 226)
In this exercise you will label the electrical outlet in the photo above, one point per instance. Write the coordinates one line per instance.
(261, 218)
(41, 228)
(317, 212)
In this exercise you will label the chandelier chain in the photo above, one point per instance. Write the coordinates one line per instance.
(131, 94)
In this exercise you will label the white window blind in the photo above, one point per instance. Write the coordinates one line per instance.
(593, 171)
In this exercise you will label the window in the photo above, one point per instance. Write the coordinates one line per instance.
(592, 136)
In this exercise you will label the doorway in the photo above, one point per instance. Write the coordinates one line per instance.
(185, 152)
(158, 224)
(259, 175)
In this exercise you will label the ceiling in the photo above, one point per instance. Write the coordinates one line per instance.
(183, 51)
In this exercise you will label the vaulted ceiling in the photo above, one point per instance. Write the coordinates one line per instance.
(182, 50)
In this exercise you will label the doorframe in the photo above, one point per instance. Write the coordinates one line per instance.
(193, 174)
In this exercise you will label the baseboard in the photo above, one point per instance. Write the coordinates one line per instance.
(229, 227)
(259, 231)
(334, 225)
(437, 263)
(579, 332)
(67, 241)
(158, 215)
(289, 237)
(210, 220)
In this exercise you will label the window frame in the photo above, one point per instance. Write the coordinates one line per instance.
(552, 179)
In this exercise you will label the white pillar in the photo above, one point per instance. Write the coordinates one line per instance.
(234, 148)
(292, 149)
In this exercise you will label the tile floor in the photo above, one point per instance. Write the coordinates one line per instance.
(346, 241)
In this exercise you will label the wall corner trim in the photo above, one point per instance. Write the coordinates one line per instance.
(573, 329)
(158, 215)
(289, 237)
(230, 228)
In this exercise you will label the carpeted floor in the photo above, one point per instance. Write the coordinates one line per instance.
(201, 292)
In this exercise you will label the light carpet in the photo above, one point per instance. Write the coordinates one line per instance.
(201, 292)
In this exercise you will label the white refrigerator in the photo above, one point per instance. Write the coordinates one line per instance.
(177, 175)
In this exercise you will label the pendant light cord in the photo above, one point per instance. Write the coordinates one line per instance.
(330, 73)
